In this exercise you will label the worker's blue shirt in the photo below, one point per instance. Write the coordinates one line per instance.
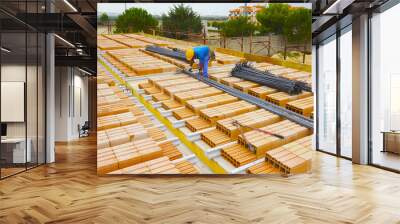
(202, 53)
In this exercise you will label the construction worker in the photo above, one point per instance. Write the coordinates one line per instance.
(203, 54)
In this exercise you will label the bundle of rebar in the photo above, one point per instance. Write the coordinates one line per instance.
(247, 72)
(177, 54)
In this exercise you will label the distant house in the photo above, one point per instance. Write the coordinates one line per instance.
(249, 11)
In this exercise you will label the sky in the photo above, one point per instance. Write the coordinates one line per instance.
(204, 9)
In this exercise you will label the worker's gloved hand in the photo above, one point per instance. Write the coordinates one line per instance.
(175, 49)
(190, 69)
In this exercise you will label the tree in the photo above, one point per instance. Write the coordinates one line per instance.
(240, 26)
(273, 18)
(135, 20)
(298, 27)
(181, 19)
(104, 18)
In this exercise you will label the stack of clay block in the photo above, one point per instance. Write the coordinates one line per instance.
(294, 157)
(262, 142)
(282, 98)
(186, 167)
(227, 59)
(107, 44)
(179, 63)
(128, 154)
(174, 82)
(112, 121)
(238, 155)
(261, 91)
(169, 149)
(103, 100)
(183, 97)
(220, 75)
(226, 131)
(214, 114)
(156, 133)
(229, 81)
(302, 106)
(150, 40)
(197, 104)
(120, 106)
(128, 41)
(120, 135)
(170, 90)
(245, 85)
(141, 63)
(255, 119)
(262, 168)
(120, 66)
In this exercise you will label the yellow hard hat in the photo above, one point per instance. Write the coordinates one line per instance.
(189, 54)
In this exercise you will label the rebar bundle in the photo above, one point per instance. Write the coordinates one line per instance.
(246, 72)
(177, 54)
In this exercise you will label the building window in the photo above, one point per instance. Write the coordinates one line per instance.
(327, 95)
(385, 89)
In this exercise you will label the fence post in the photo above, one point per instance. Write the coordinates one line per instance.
(241, 45)
(284, 52)
(251, 43)
(304, 52)
(269, 44)
(204, 36)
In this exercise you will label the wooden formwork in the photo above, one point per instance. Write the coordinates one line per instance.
(238, 155)
(262, 168)
(197, 124)
(215, 137)
(171, 90)
(104, 92)
(169, 149)
(254, 119)
(183, 97)
(261, 91)
(294, 157)
(262, 142)
(183, 113)
(227, 59)
(186, 167)
(197, 104)
(212, 115)
(245, 85)
(302, 106)
(218, 76)
(282, 98)
(170, 104)
(229, 81)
